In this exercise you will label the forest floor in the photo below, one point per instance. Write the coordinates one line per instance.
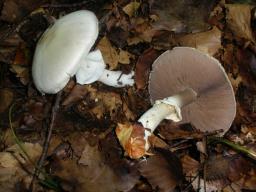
(67, 141)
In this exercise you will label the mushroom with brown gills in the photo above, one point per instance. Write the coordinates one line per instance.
(186, 86)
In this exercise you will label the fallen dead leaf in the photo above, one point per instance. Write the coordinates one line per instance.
(131, 138)
(182, 16)
(111, 56)
(208, 42)
(143, 67)
(6, 98)
(15, 10)
(22, 73)
(239, 20)
(103, 103)
(163, 170)
(109, 53)
(92, 174)
(131, 8)
(124, 57)
(12, 164)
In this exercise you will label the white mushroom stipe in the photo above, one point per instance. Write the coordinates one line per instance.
(167, 108)
(116, 78)
(91, 68)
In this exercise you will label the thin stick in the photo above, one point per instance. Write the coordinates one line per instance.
(47, 140)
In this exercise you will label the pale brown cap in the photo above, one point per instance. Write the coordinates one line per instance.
(184, 67)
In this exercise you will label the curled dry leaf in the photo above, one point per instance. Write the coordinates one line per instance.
(239, 20)
(208, 42)
(163, 170)
(143, 67)
(6, 98)
(131, 138)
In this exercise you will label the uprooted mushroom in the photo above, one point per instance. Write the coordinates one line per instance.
(64, 51)
(185, 86)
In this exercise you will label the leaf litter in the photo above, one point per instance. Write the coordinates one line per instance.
(84, 152)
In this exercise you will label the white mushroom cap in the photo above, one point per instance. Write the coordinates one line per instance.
(182, 68)
(61, 48)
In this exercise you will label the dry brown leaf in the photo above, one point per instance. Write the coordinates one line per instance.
(103, 103)
(131, 8)
(109, 53)
(15, 10)
(163, 170)
(239, 20)
(182, 16)
(208, 42)
(22, 73)
(124, 57)
(12, 165)
(143, 67)
(111, 56)
(131, 138)
(6, 98)
(22, 56)
(93, 174)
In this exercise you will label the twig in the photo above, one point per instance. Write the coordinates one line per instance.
(47, 141)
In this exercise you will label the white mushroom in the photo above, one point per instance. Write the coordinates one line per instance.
(186, 86)
(63, 51)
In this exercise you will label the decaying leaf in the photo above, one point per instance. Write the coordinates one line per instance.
(143, 67)
(163, 170)
(12, 164)
(15, 10)
(131, 138)
(101, 103)
(91, 173)
(182, 16)
(239, 20)
(208, 42)
(6, 98)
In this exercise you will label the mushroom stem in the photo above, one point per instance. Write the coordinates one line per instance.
(167, 108)
(92, 68)
(116, 78)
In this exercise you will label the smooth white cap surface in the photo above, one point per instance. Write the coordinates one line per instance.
(61, 48)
